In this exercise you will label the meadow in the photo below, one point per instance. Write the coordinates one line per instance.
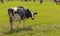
(46, 22)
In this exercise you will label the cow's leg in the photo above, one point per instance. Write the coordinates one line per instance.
(59, 2)
(24, 22)
(18, 24)
(56, 2)
(11, 23)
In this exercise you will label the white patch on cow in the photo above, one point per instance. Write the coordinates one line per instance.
(32, 14)
(17, 17)
(15, 8)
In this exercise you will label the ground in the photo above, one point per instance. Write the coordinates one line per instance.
(46, 22)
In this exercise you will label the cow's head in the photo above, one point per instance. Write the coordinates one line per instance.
(33, 14)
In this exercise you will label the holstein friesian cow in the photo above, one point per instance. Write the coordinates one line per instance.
(18, 14)
(57, 1)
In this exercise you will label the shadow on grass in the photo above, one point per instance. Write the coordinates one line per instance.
(18, 30)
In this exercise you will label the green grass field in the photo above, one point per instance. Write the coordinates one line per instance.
(46, 22)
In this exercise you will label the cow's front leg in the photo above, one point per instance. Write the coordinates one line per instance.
(11, 23)
(24, 22)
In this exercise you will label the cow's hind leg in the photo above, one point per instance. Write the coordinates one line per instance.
(18, 23)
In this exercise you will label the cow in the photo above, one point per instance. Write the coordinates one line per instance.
(57, 1)
(19, 13)
(2, 1)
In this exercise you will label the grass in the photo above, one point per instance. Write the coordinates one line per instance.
(46, 22)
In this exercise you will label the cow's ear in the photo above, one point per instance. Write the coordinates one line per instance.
(35, 13)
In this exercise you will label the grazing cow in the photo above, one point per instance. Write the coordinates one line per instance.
(57, 1)
(18, 14)
(41, 1)
(2, 1)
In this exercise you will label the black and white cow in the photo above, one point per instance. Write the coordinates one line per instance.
(57, 1)
(18, 14)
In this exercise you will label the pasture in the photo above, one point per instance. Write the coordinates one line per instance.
(46, 22)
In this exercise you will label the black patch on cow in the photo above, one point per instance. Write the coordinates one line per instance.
(28, 13)
(10, 11)
(20, 7)
(24, 13)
